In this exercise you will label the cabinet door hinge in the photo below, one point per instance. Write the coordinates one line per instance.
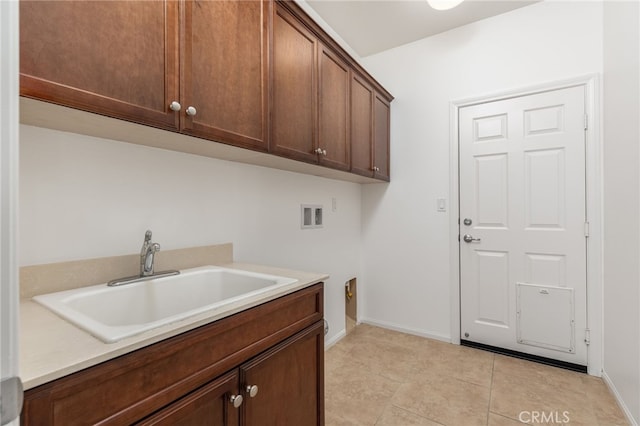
(587, 336)
(586, 229)
(586, 121)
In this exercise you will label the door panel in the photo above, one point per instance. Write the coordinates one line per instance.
(294, 88)
(522, 185)
(225, 71)
(361, 126)
(290, 381)
(491, 270)
(491, 191)
(72, 53)
(333, 135)
(381, 136)
(208, 406)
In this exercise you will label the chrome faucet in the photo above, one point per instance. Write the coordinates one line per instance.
(147, 257)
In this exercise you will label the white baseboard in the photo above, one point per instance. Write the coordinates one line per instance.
(616, 394)
(335, 339)
(396, 327)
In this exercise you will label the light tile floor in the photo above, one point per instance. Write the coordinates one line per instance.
(380, 377)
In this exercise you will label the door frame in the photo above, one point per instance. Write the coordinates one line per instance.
(593, 159)
(9, 151)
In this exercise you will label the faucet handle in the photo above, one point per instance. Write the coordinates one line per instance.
(155, 247)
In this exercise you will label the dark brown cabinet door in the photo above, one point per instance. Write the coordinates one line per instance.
(361, 126)
(116, 58)
(333, 117)
(381, 119)
(207, 406)
(294, 88)
(290, 380)
(225, 71)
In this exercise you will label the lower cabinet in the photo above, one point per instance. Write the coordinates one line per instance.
(263, 366)
(283, 386)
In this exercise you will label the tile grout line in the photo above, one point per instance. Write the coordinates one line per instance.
(493, 367)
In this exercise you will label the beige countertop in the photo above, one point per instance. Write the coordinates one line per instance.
(51, 347)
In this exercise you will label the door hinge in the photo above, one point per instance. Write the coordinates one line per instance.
(586, 229)
(586, 121)
(587, 336)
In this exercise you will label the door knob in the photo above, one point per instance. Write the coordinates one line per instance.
(236, 400)
(175, 106)
(252, 390)
(469, 239)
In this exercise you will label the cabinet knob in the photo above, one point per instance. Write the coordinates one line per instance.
(318, 151)
(236, 400)
(191, 111)
(252, 390)
(175, 106)
(376, 169)
(324, 152)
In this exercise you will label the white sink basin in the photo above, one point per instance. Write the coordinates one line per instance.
(114, 313)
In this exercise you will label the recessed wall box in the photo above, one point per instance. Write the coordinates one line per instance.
(310, 216)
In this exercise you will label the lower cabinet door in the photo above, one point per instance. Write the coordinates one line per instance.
(287, 382)
(210, 405)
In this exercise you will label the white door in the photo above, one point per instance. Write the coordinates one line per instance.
(522, 209)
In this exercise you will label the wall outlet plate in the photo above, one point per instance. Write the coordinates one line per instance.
(310, 216)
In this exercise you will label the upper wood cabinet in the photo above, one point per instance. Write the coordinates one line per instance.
(310, 95)
(370, 112)
(225, 77)
(361, 126)
(257, 74)
(334, 148)
(113, 58)
(73, 54)
(295, 88)
(381, 137)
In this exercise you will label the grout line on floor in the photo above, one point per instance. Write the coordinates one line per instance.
(493, 368)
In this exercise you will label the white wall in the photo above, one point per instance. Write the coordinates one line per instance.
(405, 240)
(622, 201)
(84, 197)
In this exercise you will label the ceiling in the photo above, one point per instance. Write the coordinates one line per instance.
(371, 26)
